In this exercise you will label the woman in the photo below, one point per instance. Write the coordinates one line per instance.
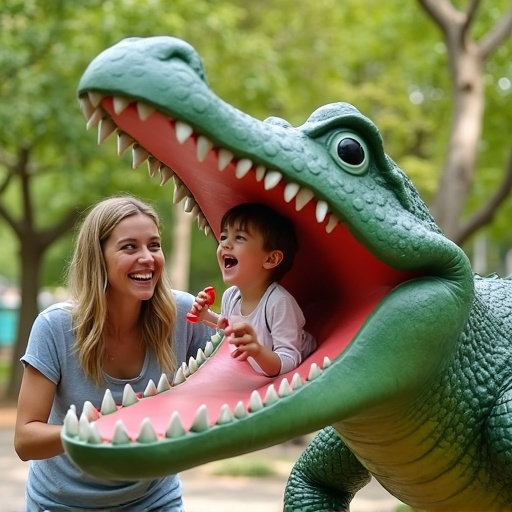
(123, 325)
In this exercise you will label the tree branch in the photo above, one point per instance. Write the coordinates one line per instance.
(497, 35)
(486, 214)
(48, 236)
(441, 11)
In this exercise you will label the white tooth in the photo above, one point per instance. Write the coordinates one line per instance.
(272, 178)
(208, 349)
(124, 142)
(153, 166)
(296, 381)
(189, 204)
(129, 396)
(185, 369)
(106, 128)
(183, 131)
(260, 172)
(94, 435)
(120, 104)
(225, 416)
(147, 433)
(139, 156)
(179, 378)
(243, 166)
(95, 98)
(71, 423)
(326, 363)
(95, 119)
(83, 428)
(203, 147)
(91, 413)
(321, 211)
(314, 372)
(303, 197)
(150, 389)
(175, 428)
(86, 107)
(120, 434)
(201, 221)
(108, 406)
(73, 408)
(240, 411)
(271, 396)
(207, 230)
(163, 384)
(255, 403)
(200, 358)
(333, 222)
(144, 110)
(290, 191)
(216, 339)
(284, 388)
(200, 423)
(166, 173)
(180, 191)
(192, 364)
(224, 158)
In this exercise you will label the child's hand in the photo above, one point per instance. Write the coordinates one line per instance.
(244, 339)
(200, 307)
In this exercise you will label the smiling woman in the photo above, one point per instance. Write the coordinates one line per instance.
(123, 327)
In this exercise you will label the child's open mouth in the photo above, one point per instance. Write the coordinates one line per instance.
(230, 262)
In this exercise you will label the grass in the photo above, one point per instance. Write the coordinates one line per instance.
(244, 467)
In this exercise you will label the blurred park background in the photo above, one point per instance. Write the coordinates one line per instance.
(434, 75)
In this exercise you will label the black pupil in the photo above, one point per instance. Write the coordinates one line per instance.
(350, 151)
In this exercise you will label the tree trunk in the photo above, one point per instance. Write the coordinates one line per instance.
(179, 261)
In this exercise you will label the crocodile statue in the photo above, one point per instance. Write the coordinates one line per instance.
(411, 382)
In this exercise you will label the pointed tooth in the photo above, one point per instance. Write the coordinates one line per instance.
(185, 369)
(290, 191)
(207, 230)
(208, 349)
(296, 381)
(225, 416)
(224, 158)
(183, 131)
(120, 434)
(272, 178)
(201, 221)
(243, 166)
(147, 433)
(179, 378)
(163, 383)
(129, 396)
(216, 339)
(193, 366)
(195, 211)
(150, 389)
(71, 423)
(86, 107)
(166, 173)
(91, 413)
(106, 128)
(83, 428)
(124, 141)
(94, 435)
(285, 388)
(321, 211)
(260, 172)
(255, 403)
(240, 411)
(95, 98)
(189, 205)
(108, 405)
(153, 166)
(303, 197)
(271, 396)
(333, 222)
(144, 110)
(139, 156)
(120, 104)
(95, 119)
(314, 372)
(175, 428)
(200, 358)
(200, 423)
(180, 191)
(73, 408)
(326, 363)
(203, 147)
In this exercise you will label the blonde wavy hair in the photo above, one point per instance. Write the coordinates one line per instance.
(87, 281)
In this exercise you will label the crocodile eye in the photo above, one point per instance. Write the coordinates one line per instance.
(350, 152)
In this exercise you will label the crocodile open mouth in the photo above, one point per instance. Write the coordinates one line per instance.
(335, 279)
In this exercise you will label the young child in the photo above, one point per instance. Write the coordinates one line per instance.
(260, 318)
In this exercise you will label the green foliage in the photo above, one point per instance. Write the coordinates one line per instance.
(244, 467)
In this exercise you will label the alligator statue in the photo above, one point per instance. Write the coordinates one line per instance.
(412, 380)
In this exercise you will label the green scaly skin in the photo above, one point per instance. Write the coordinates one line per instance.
(417, 392)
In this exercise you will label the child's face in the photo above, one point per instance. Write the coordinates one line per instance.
(241, 255)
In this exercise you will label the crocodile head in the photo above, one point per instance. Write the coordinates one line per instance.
(364, 235)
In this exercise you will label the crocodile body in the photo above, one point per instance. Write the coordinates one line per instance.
(411, 383)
